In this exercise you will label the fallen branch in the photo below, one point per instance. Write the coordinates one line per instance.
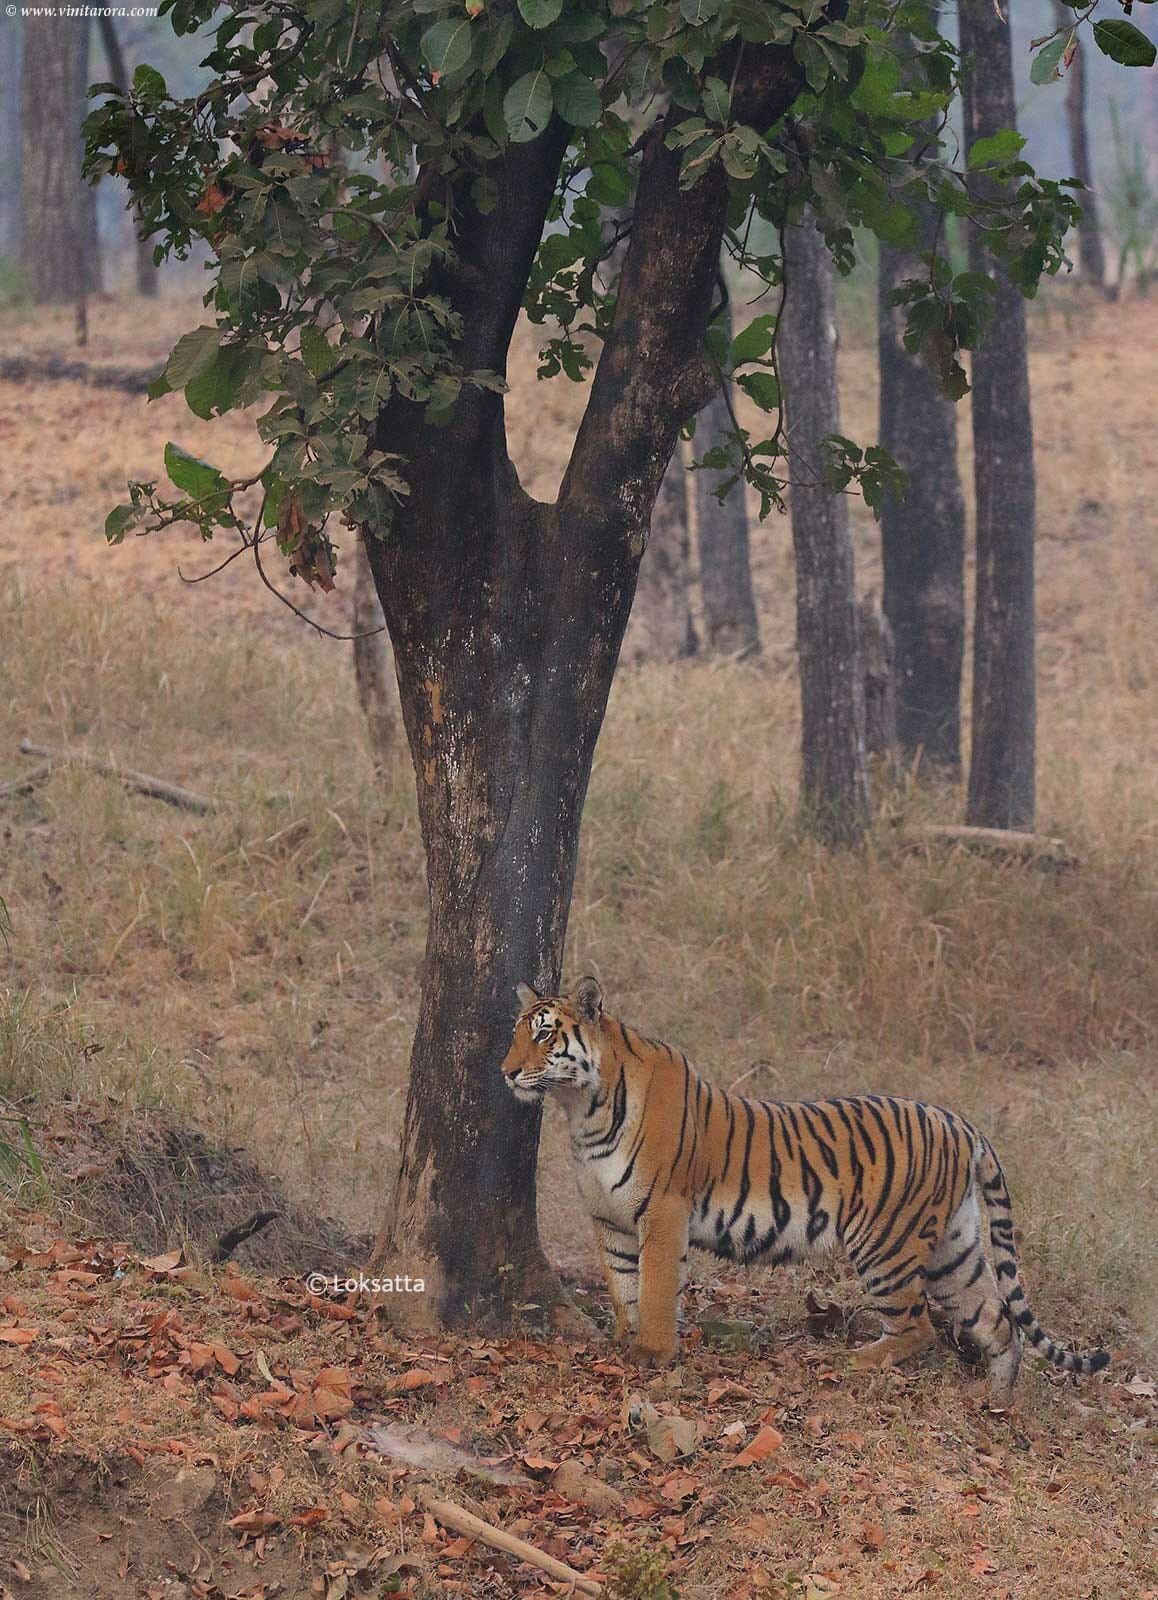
(999, 841)
(55, 369)
(139, 782)
(31, 778)
(232, 1237)
(465, 1522)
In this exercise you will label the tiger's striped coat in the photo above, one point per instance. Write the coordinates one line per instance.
(665, 1160)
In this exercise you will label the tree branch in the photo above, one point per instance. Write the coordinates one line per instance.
(652, 375)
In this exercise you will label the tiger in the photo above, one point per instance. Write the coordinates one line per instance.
(666, 1160)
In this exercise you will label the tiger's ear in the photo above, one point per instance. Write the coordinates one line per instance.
(588, 1000)
(527, 996)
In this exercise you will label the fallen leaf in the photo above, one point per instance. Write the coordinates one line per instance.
(18, 1335)
(762, 1446)
(163, 1263)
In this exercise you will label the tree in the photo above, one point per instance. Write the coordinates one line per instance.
(10, 141)
(731, 627)
(59, 248)
(119, 76)
(1001, 768)
(372, 668)
(374, 310)
(834, 775)
(923, 530)
(660, 627)
(1091, 256)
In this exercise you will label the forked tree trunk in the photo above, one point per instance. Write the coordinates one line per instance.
(503, 697)
(729, 605)
(59, 245)
(661, 627)
(1091, 255)
(506, 617)
(834, 783)
(1001, 769)
(373, 673)
(922, 536)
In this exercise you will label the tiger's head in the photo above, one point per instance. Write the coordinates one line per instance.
(556, 1041)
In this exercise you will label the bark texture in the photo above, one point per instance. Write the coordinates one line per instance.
(879, 676)
(373, 672)
(922, 535)
(59, 253)
(661, 627)
(146, 267)
(10, 142)
(730, 623)
(1001, 770)
(1091, 255)
(834, 785)
(506, 617)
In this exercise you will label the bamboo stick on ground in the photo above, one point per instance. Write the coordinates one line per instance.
(465, 1522)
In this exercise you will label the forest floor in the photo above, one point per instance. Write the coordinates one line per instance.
(204, 1016)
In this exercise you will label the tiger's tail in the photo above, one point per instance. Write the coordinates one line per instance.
(996, 1193)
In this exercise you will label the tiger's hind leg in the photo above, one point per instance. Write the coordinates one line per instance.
(896, 1292)
(962, 1281)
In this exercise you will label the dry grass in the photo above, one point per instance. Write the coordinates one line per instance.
(257, 969)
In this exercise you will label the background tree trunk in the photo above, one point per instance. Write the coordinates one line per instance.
(1001, 770)
(10, 142)
(59, 248)
(661, 627)
(373, 673)
(923, 535)
(879, 676)
(834, 787)
(119, 75)
(729, 605)
(1091, 256)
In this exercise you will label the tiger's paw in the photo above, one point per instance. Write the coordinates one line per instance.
(873, 1357)
(646, 1355)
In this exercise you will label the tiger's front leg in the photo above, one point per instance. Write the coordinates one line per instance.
(663, 1249)
(619, 1257)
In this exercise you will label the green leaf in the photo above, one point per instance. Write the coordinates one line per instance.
(118, 520)
(540, 13)
(697, 12)
(192, 476)
(527, 106)
(1122, 41)
(999, 147)
(610, 185)
(754, 341)
(148, 84)
(1047, 59)
(447, 45)
(577, 100)
(192, 353)
(317, 352)
(762, 387)
(717, 100)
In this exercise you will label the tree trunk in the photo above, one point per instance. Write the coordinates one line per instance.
(1001, 770)
(923, 535)
(879, 676)
(729, 605)
(118, 71)
(1091, 256)
(59, 250)
(10, 142)
(834, 786)
(372, 669)
(661, 627)
(502, 697)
